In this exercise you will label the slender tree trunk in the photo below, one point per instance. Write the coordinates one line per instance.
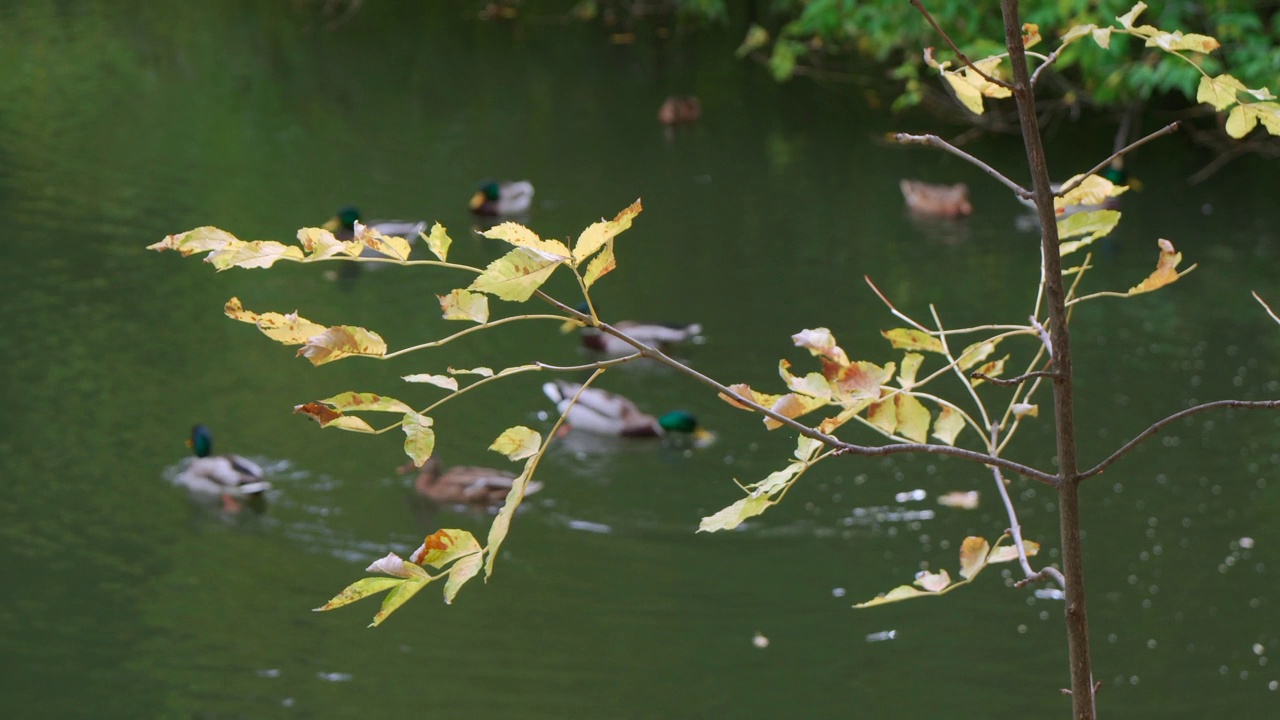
(1055, 295)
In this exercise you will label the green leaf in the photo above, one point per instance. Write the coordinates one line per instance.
(913, 418)
(359, 590)
(342, 341)
(419, 438)
(440, 381)
(733, 516)
(948, 425)
(756, 38)
(516, 275)
(286, 329)
(1095, 224)
(973, 556)
(912, 339)
(462, 571)
(465, 305)
(522, 237)
(597, 235)
(517, 443)
(438, 241)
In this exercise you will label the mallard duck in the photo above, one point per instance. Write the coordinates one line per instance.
(230, 476)
(658, 335)
(607, 413)
(949, 201)
(343, 227)
(462, 484)
(503, 198)
(680, 110)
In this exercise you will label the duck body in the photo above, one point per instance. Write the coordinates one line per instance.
(606, 413)
(465, 484)
(949, 201)
(503, 198)
(343, 227)
(230, 476)
(680, 110)
(651, 334)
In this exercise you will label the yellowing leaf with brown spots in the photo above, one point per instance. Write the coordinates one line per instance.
(359, 590)
(321, 244)
(287, 329)
(995, 368)
(912, 339)
(948, 425)
(913, 418)
(365, 402)
(1165, 272)
(256, 254)
(516, 275)
(342, 341)
(744, 390)
(522, 237)
(599, 234)
(419, 438)
(396, 248)
(1176, 40)
(884, 415)
(1030, 35)
(859, 380)
(465, 305)
(792, 405)
(201, 239)
(444, 546)
(976, 353)
(973, 556)
(517, 443)
(600, 265)
(328, 417)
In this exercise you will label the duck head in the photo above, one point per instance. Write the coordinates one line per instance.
(346, 219)
(684, 422)
(488, 193)
(201, 441)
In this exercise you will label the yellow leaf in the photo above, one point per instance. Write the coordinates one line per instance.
(976, 353)
(1077, 32)
(286, 329)
(806, 448)
(1030, 35)
(365, 402)
(912, 339)
(342, 341)
(517, 443)
(393, 247)
(913, 418)
(1005, 553)
(1095, 224)
(440, 381)
(438, 241)
(502, 523)
(883, 415)
(933, 582)
(1093, 190)
(973, 556)
(1102, 36)
(948, 426)
(419, 438)
(970, 87)
(744, 390)
(256, 254)
(600, 265)
(481, 371)
(820, 341)
(1021, 410)
(792, 405)
(460, 573)
(1170, 41)
(858, 381)
(465, 305)
(848, 413)
(444, 546)
(902, 592)
(1127, 19)
(328, 417)
(813, 384)
(910, 366)
(732, 516)
(599, 234)
(1165, 272)
(1221, 92)
(359, 590)
(320, 244)
(522, 237)
(398, 596)
(1244, 117)
(960, 500)
(995, 368)
(516, 275)
(201, 239)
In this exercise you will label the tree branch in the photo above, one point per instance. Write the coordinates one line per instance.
(937, 142)
(963, 58)
(1127, 447)
(1166, 130)
(1265, 306)
(1053, 57)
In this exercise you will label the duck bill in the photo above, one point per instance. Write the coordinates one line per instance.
(477, 200)
(703, 437)
(332, 224)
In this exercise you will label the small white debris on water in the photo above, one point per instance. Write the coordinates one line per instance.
(334, 676)
(882, 636)
(1050, 594)
(837, 592)
(1246, 543)
(760, 641)
(913, 495)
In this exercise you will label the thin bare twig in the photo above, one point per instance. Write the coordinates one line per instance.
(1048, 571)
(1053, 57)
(937, 142)
(963, 58)
(1155, 428)
(1166, 130)
(1265, 306)
(1010, 381)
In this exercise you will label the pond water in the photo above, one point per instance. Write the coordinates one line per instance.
(128, 121)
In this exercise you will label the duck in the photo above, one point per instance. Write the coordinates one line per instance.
(606, 413)
(343, 227)
(231, 477)
(503, 198)
(659, 335)
(465, 484)
(948, 201)
(680, 110)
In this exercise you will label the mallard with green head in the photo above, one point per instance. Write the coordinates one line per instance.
(464, 484)
(503, 198)
(607, 413)
(230, 476)
(343, 227)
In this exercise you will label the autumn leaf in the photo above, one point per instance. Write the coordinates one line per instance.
(516, 275)
(321, 244)
(910, 366)
(948, 425)
(976, 353)
(398, 596)
(973, 556)
(419, 438)
(201, 239)
(813, 384)
(359, 590)
(438, 241)
(395, 566)
(328, 417)
(1165, 272)
(820, 341)
(444, 546)
(995, 368)
(465, 305)
(502, 523)
(255, 254)
(733, 516)
(287, 329)
(365, 402)
(744, 390)
(884, 415)
(1092, 190)
(970, 86)
(1006, 553)
(440, 381)
(1221, 92)
(912, 339)
(462, 571)
(396, 248)
(522, 237)
(600, 265)
(1245, 117)
(342, 341)
(858, 381)
(902, 592)
(600, 234)
(1176, 40)
(1096, 224)
(960, 500)
(933, 582)
(913, 418)
(792, 405)
(517, 443)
